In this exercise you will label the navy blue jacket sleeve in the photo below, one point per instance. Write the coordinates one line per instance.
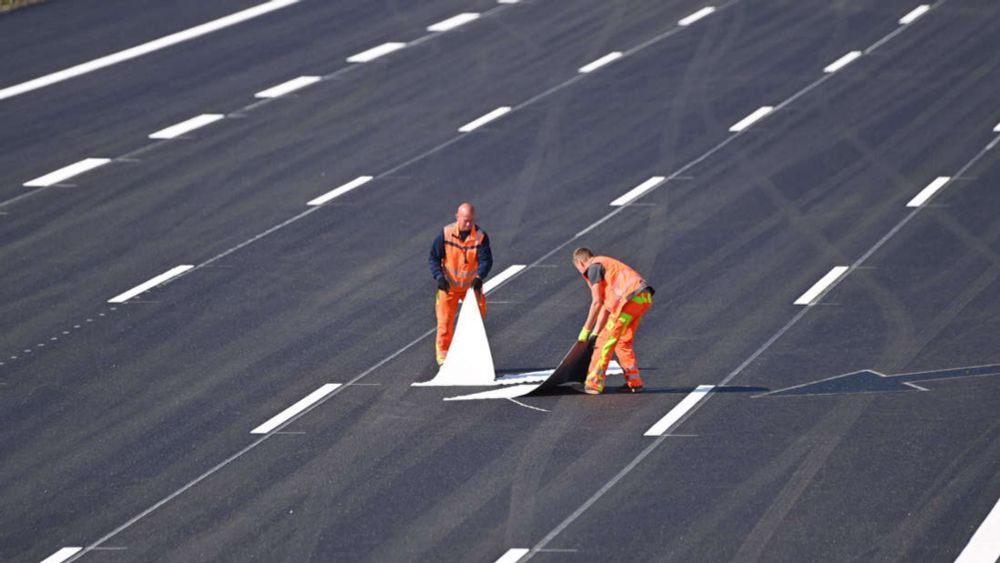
(485, 257)
(437, 255)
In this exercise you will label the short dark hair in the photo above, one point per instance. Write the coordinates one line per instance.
(582, 254)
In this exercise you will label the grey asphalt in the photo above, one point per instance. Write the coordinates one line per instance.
(125, 428)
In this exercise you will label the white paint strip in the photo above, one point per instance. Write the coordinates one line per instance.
(697, 15)
(749, 120)
(929, 191)
(453, 22)
(67, 172)
(183, 127)
(62, 555)
(479, 122)
(144, 49)
(638, 191)
(375, 52)
(841, 62)
(295, 409)
(171, 273)
(984, 547)
(809, 297)
(508, 1)
(678, 412)
(286, 87)
(592, 66)
(914, 14)
(503, 276)
(337, 192)
(513, 555)
(996, 129)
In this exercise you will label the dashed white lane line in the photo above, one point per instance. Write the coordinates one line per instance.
(67, 172)
(508, 1)
(295, 409)
(637, 191)
(984, 547)
(453, 22)
(704, 12)
(337, 192)
(480, 121)
(184, 127)
(677, 413)
(145, 286)
(513, 555)
(503, 276)
(749, 120)
(62, 555)
(376, 52)
(824, 283)
(929, 191)
(996, 129)
(914, 14)
(287, 87)
(606, 59)
(841, 62)
(145, 48)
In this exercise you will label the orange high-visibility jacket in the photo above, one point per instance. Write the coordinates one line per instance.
(461, 257)
(621, 282)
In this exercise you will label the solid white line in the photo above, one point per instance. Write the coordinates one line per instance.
(678, 412)
(503, 276)
(62, 555)
(144, 49)
(286, 87)
(171, 273)
(638, 191)
(749, 120)
(926, 193)
(67, 172)
(375, 52)
(984, 547)
(480, 121)
(914, 14)
(696, 16)
(453, 22)
(187, 126)
(295, 409)
(809, 297)
(360, 180)
(513, 555)
(592, 66)
(841, 62)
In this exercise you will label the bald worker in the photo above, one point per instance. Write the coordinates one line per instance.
(460, 258)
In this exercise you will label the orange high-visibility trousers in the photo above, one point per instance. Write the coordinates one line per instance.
(617, 336)
(446, 307)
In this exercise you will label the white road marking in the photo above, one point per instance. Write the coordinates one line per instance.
(480, 121)
(638, 191)
(513, 555)
(592, 66)
(696, 16)
(145, 48)
(67, 172)
(286, 87)
(183, 127)
(454, 21)
(984, 547)
(996, 129)
(295, 409)
(508, 1)
(375, 52)
(503, 276)
(841, 62)
(678, 412)
(749, 120)
(929, 191)
(337, 192)
(810, 297)
(171, 273)
(62, 555)
(914, 14)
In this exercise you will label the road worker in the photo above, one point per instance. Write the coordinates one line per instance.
(460, 258)
(619, 297)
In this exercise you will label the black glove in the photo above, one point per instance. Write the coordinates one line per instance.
(442, 284)
(477, 284)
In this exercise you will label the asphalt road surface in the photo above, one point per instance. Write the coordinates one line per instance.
(125, 426)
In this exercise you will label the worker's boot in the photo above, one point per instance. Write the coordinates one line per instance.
(594, 384)
(633, 384)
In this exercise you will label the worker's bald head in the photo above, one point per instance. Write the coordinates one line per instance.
(581, 256)
(465, 216)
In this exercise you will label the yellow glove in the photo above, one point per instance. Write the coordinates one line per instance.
(584, 335)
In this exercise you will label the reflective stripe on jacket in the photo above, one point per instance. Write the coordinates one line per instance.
(461, 257)
(621, 282)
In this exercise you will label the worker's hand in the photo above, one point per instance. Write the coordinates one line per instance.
(477, 284)
(442, 284)
(584, 335)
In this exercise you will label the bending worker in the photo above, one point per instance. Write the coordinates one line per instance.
(460, 258)
(619, 299)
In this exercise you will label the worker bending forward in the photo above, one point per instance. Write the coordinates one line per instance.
(619, 299)
(460, 258)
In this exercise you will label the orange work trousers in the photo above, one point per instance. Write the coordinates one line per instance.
(446, 307)
(617, 336)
